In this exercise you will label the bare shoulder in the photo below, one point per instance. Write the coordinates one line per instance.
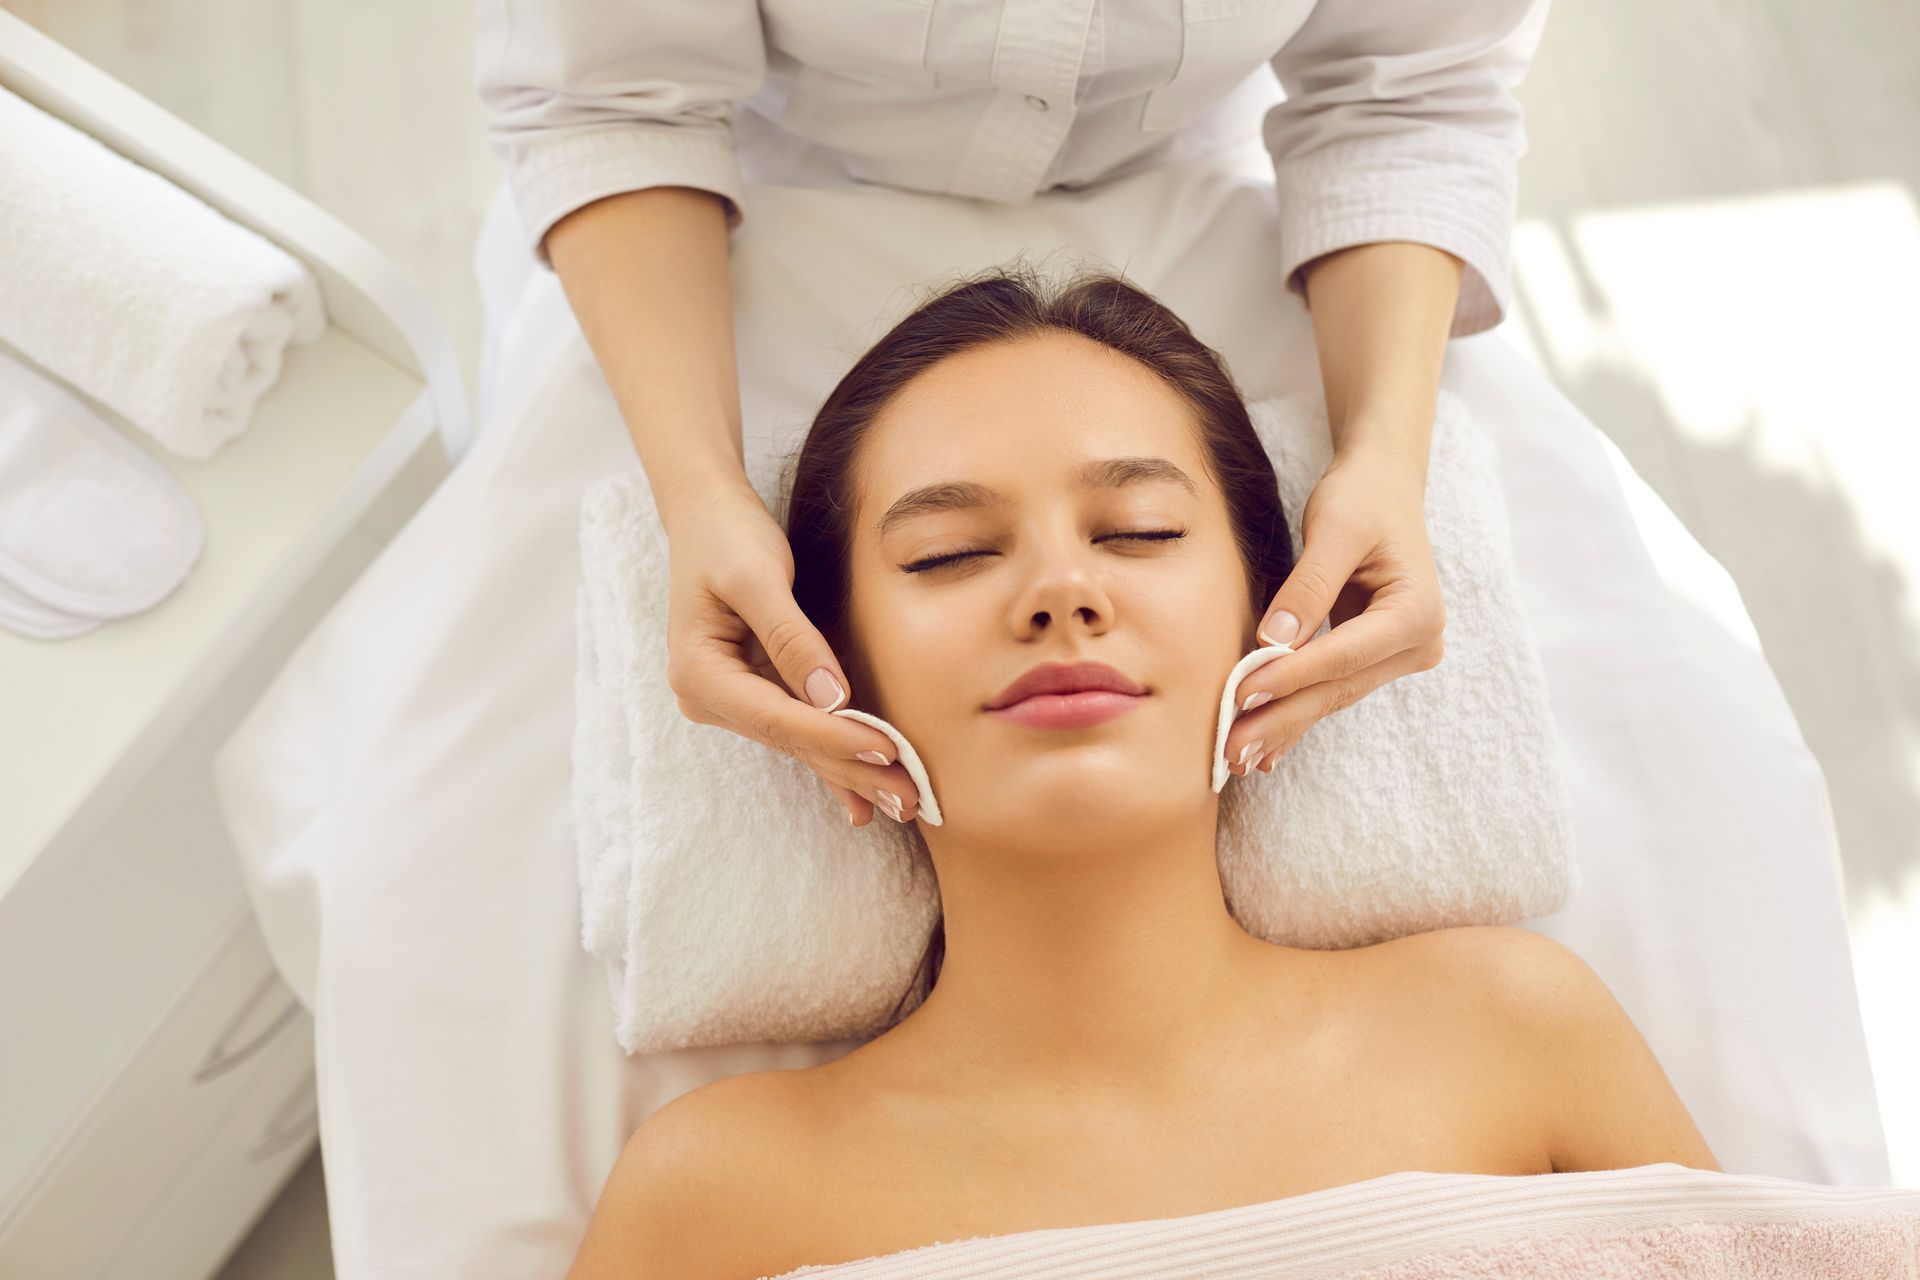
(688, 1190)
(1604, 1100)
(1504, 971)
(1479, 979)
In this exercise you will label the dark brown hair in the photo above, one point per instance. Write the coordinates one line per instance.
(1002, 304)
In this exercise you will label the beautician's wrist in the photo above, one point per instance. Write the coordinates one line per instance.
(686, 491)
(1385, 449)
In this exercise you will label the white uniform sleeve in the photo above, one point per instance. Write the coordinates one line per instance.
(590, 98)
(1400, 124)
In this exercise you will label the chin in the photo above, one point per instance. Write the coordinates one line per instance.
(1089, 793)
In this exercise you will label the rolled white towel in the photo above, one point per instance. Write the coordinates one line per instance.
(138, 292)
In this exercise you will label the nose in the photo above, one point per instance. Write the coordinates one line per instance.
(1089, 618)
(1063, 590)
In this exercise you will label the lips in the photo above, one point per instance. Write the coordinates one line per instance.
(1062, 678)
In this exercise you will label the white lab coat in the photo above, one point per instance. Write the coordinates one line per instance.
(1399, 120)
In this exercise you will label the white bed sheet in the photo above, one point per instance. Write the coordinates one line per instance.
(400, 794)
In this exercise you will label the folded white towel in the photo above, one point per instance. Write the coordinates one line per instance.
(1439, 798)
(138, 292)
(91, 526)
(749, 911)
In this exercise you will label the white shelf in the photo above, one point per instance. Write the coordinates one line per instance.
(118, 879)
(87, 717)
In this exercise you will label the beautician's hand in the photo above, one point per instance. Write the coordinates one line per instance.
(1367, 565)
(730, 606)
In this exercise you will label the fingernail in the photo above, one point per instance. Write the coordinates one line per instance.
(1256, 700)
(874, 757)
(1249, 751)
(850, 818)
(1280, 628)
(891, 803)
(823, 691)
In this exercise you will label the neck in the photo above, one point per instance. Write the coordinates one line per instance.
(1111, 964)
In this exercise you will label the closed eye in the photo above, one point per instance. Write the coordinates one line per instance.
(1143, 535)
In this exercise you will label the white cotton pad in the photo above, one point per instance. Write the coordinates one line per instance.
(21, 613)
(929, 807)
(1230, 706)
(90, 523)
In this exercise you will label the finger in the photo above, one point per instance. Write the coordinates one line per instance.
(1306, 597)
(886, 788)
(793, 644)
(1272, 757)
(757, 708)
(859, 808)
(770, 720)
(1283, 720)
(750, 703)
(1366, 640)
(883, 787)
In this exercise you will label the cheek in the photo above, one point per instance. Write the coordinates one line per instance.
(1192, 637)
(1210, 604)
(903, 654)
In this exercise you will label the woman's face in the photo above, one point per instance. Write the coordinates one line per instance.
(1028, 459)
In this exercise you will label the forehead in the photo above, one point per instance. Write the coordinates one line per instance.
(1042, 413)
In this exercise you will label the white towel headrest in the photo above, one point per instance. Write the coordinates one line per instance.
(751, 911)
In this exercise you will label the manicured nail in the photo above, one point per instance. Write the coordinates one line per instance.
(1280, 628)
(891, 803)
(823, 691)
(1249, 751)
(1256, 700)
(874, 757)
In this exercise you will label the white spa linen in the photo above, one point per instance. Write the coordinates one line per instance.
(731, 902)
(138, 292)
(1657, 1221)
(91, 526)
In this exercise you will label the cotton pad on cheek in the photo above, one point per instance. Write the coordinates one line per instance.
(1229, 706)
(929, 807)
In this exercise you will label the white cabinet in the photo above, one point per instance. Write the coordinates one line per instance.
(156, 1076)
(210, 1114)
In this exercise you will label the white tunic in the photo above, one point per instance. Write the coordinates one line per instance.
(1398, 120)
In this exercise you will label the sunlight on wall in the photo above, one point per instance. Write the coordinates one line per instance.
(1790, 319)
(1786, 325)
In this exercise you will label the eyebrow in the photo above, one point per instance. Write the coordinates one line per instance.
(965, 495)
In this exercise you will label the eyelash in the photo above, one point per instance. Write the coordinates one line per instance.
(1144, 535)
